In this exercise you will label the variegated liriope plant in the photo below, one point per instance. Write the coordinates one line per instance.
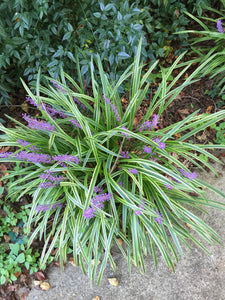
(95, 178)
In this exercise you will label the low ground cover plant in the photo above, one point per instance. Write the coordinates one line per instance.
(96, 177)
(14, 254)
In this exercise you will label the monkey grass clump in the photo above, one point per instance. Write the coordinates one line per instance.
(95, 177)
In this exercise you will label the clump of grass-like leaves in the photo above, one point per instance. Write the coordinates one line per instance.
(95, 177)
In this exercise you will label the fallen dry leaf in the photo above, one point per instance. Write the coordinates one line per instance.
(7, 238)
(120, 241)
(12, 287)
(113, 281)
(177, 13)
(71, 261)
(40, 276)
(3, 168)
(124, 100)
(24, 295)
(188, 225)
(24, 106)
(17, 274)
(177, 135)
(209, 108)
(37, 282)
(54, 251)
(96, 298)
(4, 149)
(93, 261)
(45, 286)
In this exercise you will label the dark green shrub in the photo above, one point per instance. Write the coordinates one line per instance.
(44, 34)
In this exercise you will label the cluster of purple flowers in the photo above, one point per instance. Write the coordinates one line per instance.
(41, 158)
(147, 149)
(62, 159)
(45, 207)
(161, 144)
(158, 219)
(139, 211)
(33, 157)
(53, 180)
(133, 171)
(6, 154)
(125, 154)
(219, 26)
(150, 124)
(113, 108)
(53, 112)
(188, 175)
(50, 110)
(39, 125)
(97, 201)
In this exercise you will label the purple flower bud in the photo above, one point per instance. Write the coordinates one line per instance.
(219, 26)
(159, 220)
(147, 149)
(125, 133)
(97, 189)
(125, 154)
(169, 186)
(188, 175)
(137, 212)
(133, 171)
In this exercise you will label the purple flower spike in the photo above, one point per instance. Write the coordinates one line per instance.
(55, 84)
(219, 26)
(39, 125)
(89, 213)
(154, 121)
(33, 157)
(113, 108)
(133, 171)
(53, 180)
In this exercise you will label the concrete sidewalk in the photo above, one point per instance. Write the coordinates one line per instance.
(197, 277)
